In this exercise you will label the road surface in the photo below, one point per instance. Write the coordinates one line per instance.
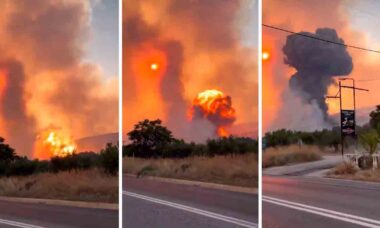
(35, 215)
(150, 204)
(319, 202)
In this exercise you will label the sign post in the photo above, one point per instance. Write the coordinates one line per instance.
(347, 116)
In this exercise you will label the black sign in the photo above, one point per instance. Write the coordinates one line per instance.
(347, 119)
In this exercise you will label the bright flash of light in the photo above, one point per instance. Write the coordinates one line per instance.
(154, 66)
(265, 55)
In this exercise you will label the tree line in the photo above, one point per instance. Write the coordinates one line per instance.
(368, 135)
(13, 165)
(150, 139)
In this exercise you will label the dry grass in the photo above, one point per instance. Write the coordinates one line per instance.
(240, 170)
(344, 168)
(349, 171)
(286, 155)
(89, 185)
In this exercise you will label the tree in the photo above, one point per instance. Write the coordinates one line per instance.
(7, 153)
(374, 121)
(369, 141)
(149, 138)
(109, 158)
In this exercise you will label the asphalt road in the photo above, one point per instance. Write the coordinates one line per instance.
(32, 215)
(319, 202)
(150, 204)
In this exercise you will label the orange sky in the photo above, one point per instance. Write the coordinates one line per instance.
(307, 16)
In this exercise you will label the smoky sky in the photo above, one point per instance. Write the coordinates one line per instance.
(316, 62)
(19, 126)
(172, 88)
(48, 80)
(187, 32)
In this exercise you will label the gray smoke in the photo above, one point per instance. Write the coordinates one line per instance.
(316, 62)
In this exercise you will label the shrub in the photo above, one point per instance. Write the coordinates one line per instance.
(344, 169)
(289, 155)
(109, 159)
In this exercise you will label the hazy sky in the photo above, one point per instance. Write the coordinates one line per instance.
(104, 40)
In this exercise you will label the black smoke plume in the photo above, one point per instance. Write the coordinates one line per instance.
(316, 62)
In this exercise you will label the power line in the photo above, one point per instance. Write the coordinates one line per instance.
(320, 39)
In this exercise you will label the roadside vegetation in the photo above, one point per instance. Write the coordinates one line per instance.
(79, 176)
(91, 185)
(349, 171)
(369, 141)
(286, 155)
(283, 147)
(153, 151)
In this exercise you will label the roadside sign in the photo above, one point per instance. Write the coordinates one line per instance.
(348, 122)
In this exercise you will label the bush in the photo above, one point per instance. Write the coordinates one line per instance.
(109, 159)
(289, 155)
(344, 169)
(13, 165)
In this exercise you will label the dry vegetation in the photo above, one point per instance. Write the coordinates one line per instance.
(238, 170)
(286, 155)
(88, 185)
(349, 171)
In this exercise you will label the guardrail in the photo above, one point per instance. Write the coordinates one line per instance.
(354, 158)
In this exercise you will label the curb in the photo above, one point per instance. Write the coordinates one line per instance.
(199, 184)
(79, 204)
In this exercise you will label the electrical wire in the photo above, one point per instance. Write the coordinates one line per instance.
(320, 39)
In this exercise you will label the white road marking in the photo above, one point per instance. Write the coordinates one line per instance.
(366, 222)
(18, 224)
(209, 214)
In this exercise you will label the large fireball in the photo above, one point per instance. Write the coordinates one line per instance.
(215, 106)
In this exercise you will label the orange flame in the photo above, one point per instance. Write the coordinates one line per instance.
(216, 107)
(54, 144)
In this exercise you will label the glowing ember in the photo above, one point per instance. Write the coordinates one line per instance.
(216, 107)
(58, 145)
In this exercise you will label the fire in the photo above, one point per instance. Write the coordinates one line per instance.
(222, 132)
(60, 147)
(215, 106)
(54, 144)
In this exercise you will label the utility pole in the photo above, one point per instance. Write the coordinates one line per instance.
(350, 114)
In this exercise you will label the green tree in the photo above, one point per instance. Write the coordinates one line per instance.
(149, 138)
(369, 141)
(109, 159)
